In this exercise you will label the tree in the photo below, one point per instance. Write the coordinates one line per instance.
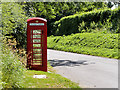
(57, 10)
(14, 21)
(54, 11)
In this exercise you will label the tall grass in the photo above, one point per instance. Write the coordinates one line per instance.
(0, 60)
(0, 69)
(12, 68)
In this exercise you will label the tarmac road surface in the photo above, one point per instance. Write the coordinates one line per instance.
(88, 71)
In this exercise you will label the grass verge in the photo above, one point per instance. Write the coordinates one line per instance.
(53, 80)
(105, 45)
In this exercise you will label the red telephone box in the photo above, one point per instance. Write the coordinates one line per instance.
(37, 44)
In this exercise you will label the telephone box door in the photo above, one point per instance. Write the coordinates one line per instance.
(37, 44)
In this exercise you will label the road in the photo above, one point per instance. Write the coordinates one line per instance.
(88, 71)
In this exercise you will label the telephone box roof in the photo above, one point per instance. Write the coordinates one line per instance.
(36, 18)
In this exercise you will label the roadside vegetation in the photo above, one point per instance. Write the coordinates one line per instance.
(13, 73)
(83, 27)
(11, 66)
(0, 64)
(92, 33)
(105, 45)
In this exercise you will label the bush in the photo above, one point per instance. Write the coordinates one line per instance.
(14, 22)
(88, 22)
(12, 68)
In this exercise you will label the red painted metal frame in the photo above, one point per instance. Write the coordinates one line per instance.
(43, 38)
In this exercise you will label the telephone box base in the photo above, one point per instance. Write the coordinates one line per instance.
(38, 68)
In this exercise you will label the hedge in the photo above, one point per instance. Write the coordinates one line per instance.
(78, 23)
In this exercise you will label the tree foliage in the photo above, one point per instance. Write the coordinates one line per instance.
(14, 21)
(56, 10)
(53, 11)
(15, 15)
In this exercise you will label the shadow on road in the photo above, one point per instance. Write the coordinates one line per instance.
(70, 63)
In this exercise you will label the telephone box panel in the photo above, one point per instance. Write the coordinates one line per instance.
(37, 44)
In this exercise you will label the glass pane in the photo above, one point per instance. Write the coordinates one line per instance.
(36, 56)
(36, 45)
(36, 61)
(36, 41)
(37, 31)
(36, 49)
(36, 36)
(39, 50)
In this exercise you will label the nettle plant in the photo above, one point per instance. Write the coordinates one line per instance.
(12, 67)
(0, 69)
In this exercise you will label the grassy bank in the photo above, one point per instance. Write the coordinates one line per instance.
(105, 45)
